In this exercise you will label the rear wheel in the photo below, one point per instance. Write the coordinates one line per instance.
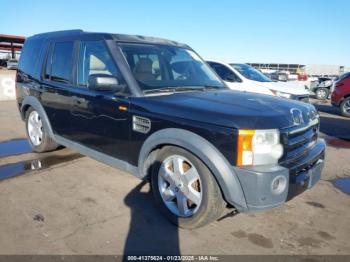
(184, 189)
(345, 107)
(322, 93)
(37, 134)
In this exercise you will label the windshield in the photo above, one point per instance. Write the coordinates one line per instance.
(251, 73)
(343, 76)
(161, 66)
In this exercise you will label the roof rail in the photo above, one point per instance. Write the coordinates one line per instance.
(62, 32)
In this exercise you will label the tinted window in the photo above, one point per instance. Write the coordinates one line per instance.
(61, 62)
(224, 72)
(344, 76)
(30, 54)
(94, 58)
(157, 66)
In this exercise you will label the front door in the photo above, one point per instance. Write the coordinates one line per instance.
(100, 119)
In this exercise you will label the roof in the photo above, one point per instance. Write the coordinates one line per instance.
(116, 37)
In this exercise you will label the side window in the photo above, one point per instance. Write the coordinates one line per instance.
(94, 58)
(225, 73)
(59, 62)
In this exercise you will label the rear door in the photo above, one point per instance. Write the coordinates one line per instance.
(100, 119)
(56, 85)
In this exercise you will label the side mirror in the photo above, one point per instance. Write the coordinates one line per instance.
(102, 82)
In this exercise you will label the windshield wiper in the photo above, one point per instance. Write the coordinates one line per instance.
(174, 89)
(160, 90)
(212, 87)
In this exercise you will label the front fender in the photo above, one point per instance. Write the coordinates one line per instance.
(204, 150)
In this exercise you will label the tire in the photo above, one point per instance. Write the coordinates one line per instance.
(199, 212)
(322, 93)
(345, 107)
(39, 141)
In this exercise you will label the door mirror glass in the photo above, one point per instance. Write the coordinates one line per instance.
(101, 82)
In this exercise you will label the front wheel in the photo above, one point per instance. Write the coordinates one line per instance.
(345, 107)
(322, 93)
(184, 189)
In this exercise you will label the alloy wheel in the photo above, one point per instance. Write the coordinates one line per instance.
(179, 185)
(346, 107)
(35, 128)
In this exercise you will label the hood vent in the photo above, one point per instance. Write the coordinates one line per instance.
(141, 124)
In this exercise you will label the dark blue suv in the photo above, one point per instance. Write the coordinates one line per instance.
(152, 107)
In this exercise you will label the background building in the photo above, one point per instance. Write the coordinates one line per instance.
(310, 69)
(272, 67)
(330, 70)
(10, 46)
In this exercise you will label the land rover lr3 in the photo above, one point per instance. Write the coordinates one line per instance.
(152, 107)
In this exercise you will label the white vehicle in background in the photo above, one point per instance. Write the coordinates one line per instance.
(12, 64)
(246, 78)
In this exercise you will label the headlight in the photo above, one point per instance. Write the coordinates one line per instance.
(281, 94)
(258, 147)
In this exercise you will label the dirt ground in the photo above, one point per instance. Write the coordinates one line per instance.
(65, 203)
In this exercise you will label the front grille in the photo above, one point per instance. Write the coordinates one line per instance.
(297, 142)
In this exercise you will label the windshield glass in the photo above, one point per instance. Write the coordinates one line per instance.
(343, 76)
(251, 73)
(161, 66)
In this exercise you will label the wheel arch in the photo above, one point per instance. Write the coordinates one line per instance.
(32, 101)
(218, 165)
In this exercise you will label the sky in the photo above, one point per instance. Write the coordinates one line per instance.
(263, 31)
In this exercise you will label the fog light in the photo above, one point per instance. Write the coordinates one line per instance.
(279, 184)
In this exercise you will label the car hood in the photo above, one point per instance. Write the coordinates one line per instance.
(225, 108)
(286, 87)
(249, 87)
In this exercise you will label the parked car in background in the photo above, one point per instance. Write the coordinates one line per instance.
(279, 76)
(244, 77)
(154, 108)
(302, 77)
(335, 79)
(12, 64)
(322, 87)
(341, 94)
(3, 63)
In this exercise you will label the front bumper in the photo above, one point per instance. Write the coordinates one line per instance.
(336, 98)
(258, 183)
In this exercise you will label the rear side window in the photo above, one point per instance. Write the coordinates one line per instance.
(60, 62)
(30, 54)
